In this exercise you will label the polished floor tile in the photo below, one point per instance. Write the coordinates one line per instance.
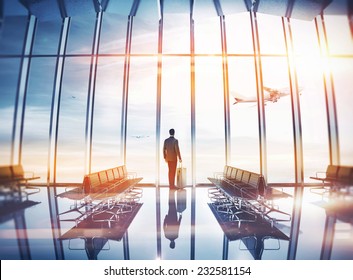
(173, 225)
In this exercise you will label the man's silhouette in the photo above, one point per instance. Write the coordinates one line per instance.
(171, 222)
(171, 153)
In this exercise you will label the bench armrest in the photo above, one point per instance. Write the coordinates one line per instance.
(218, 175)
(28, 174)
(132, 175)
(321, 174)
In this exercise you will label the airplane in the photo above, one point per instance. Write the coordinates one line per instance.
(270, 95)
(140, 136)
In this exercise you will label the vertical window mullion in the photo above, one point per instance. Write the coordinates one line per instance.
(20, 103)
(56, 97)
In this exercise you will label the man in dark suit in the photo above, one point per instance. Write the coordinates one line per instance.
(171, 155)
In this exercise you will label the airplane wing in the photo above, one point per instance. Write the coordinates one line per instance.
(280, 91)
(240, 100)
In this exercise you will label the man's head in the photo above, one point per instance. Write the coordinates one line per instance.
(171, 132)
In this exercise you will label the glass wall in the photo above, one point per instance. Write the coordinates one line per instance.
(243, 116)
(113, 34)
(176, 33)
(340, 47)
(239, 35)
(344, 98)
(12, 36)
(176, 110)
(208, 36)
(141, 124)
(210, 146)
(37, 116)
(81, 34)
(106, 146)
(279, 124)
(72, 120)
(13, 33)
(310, 80)
(138, 69)
(9, 74)
(47, 38)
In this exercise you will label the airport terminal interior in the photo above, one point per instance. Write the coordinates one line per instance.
(259, 93)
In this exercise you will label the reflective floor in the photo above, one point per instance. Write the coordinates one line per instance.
(173, 224)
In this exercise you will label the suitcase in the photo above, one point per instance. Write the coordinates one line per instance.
(181, 201)
(181, 177)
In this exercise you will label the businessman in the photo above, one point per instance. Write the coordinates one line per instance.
(171, 155)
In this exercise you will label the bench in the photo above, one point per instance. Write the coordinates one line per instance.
(110, 182)
(335, 176)
(236, 182)
(237, 191)
(106, 191)
(13, 177)
(15, 173)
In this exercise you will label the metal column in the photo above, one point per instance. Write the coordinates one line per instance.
(329, 88)
(260, 96)
(225, 90)
(21, 94)
(55, 104)
(158, 139)
(193, 101)
(92, 93)
(126, 88)
(350, 16)
(159, 101)
(297, 138)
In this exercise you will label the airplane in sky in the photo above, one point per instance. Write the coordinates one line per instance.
(270, 95)
(140, 136)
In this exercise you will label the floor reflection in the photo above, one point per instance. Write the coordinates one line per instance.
(172, 219)
(160, 223)
(253, 232)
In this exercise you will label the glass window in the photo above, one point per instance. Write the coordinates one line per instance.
(9, 72)
(113, 34)
(339, 35)
(210, 145)
(279, 126)
(141, 124)
(144, 36)
(13, 34)
(271, 34)
(107, 113)
(243, 115)
(176, 113)
(341, 70)
(208, 36)
(47, 37)
(72, 120)
(176, 33)
(310, 81)
(81, 34)
(239, 37)
(37, 116)
(305, 41)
